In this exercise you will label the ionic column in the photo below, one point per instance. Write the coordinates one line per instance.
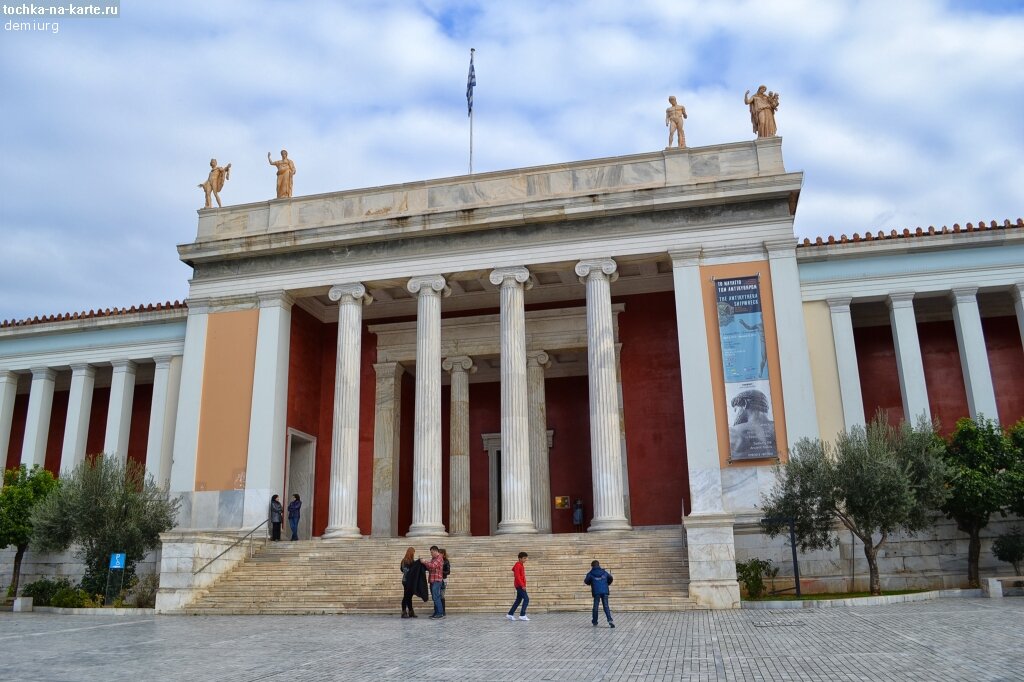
(970, 339)
(426, 465)
(387, 423)
(37, 421)
(605, 445)
(342, 521)
(908, 356)
(159, 446)
(119, 412)
(76, 428)
(8, 394)
(1017, 292)
(540, 472)
(846, 361)
(186, 421)
(460, 367)
(516, 503)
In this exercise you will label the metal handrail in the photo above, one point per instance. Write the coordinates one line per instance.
(233, 545)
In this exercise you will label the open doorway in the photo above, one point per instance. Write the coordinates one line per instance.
(301, 460)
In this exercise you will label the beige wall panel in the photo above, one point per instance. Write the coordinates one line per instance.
(824, 369)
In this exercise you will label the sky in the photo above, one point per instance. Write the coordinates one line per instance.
(899, 114)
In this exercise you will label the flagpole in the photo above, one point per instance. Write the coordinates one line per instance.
(471, 51)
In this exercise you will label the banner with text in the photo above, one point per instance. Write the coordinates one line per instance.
(745, 361)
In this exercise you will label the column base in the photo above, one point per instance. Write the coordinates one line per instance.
(341, 532)
(598, 525)
(711, 556)
(426, 530)
(515, 527)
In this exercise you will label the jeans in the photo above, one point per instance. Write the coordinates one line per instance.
(603, 599)
(435, 595)
(294, 523)
(521, 597)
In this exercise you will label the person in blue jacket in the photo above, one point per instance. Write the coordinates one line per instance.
(599, 581)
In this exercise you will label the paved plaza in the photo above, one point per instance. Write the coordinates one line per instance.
(955, 639)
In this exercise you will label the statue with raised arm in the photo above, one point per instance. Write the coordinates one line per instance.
(285, 173)
(674, 116)
(215, 182)
(763, 106)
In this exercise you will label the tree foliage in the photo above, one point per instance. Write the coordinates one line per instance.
(105, 507)
(875, 481)
(985, 470)
(23, 489)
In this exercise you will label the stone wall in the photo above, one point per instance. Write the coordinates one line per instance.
(36, 565)
(935, 559)
(184, 552)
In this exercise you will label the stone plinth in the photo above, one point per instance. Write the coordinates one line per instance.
(711, 555)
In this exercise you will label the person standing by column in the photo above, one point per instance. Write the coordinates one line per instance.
(294, 510)
(276, 516)
(446, 570)
(577, 516)
(519, 580)
(435, 575)
(600, 581)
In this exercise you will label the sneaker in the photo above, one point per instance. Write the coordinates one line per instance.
(611, 625)
(594, 623)
(523, 618)
(510, 617)
(435, 616)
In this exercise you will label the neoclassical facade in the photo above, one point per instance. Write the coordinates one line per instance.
(464, 356)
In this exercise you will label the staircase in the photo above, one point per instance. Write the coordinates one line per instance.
(362, 575)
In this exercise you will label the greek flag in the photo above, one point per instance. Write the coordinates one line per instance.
(470, 83)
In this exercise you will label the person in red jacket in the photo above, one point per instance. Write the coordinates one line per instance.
(519, 573)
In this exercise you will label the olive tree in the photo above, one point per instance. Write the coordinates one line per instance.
(23, 489)
(875, 481)
(984, 473)
(105, 507)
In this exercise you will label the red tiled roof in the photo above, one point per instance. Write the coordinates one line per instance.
(906, 233)
(109, 312)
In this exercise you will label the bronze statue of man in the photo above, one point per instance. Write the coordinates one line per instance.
(215, 182)
(674, 116)
(285, 173)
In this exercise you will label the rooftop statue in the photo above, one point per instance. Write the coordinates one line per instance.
(762, 111)
(674, 116)
(285, 173)
(215, 182)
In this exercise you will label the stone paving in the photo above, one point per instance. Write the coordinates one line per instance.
(953, 639)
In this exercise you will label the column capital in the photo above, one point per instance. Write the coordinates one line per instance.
(351, 293)
(598, 268)
(163, 361)
(199, 305)
(685, 257)
(43, 373)
(277, 298)
(900, 299)
(1017, 291)
(8, 375)
(83, 369)
(428, 285)
(964, 294)
(538, 358)
(389, 370)
(123, 366)
(840, 304)
(513, 276)
(458, 363)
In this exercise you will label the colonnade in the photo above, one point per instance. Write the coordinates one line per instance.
(525, 485)
(166, 378)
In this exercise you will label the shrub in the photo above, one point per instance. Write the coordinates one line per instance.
(68, 598)
(143, 592)
(1009, 547)
(44, 589)
(752, 572)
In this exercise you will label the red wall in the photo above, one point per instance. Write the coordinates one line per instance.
(17, 431)
(944, 377)
(138, 436)
(653, 409)
(568, 404)
(55, 437)
(1006, 360)
(97, 421)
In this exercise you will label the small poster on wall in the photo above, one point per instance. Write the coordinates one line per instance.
(562, 502)
(745, 364)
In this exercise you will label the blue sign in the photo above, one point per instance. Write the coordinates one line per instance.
(117, 561)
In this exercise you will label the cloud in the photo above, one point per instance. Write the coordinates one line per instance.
(899, 114)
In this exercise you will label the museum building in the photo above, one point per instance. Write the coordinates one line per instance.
(472, 355)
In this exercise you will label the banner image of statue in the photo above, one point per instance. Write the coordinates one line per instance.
(745, 365)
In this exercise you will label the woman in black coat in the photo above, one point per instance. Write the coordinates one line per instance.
(276, 516)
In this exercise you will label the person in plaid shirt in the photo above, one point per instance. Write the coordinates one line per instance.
(435, 575)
